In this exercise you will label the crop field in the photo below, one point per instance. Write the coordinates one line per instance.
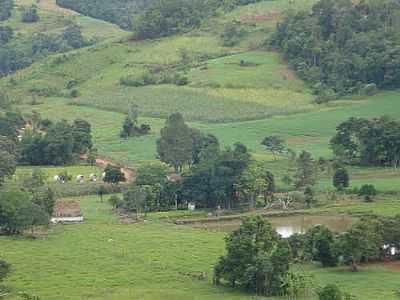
(53, 18)
(309, 131)
(103, 259)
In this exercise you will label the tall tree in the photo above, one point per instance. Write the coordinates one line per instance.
(306, 173)
(82, 136)
(7, 165)
(175, 144)
(274, 144)
(60, 144)
(341, 179)
(256, 259)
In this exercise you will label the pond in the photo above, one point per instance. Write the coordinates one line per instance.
(285, 226)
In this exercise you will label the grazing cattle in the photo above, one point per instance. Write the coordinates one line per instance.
(80, 179)
(59, 178)
(191, 206)
(93, 177)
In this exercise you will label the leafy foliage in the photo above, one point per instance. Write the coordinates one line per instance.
(366, 142)
(342, 47)
(58, 145)
(113, 174)
(30, 15)
(341, 179)
(175, 144)
(6, 7)
(256, 259)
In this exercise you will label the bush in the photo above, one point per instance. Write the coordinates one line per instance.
(332, 292)
(4, 270)
(369, 89)
(30, 15)
(74, 93)
(367, 191)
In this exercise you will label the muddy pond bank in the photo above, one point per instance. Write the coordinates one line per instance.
(284, 225)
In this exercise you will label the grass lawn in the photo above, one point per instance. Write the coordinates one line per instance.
(102, 259)
(50, 172)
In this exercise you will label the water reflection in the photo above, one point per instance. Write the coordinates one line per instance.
(285, 226)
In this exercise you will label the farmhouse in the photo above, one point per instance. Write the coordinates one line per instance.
(67, 212)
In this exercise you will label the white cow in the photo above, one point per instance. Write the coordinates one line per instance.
(93, 177)
(80, 178)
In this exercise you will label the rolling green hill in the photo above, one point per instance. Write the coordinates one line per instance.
(232, 85)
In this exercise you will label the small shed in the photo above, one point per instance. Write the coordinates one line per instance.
(67, 212)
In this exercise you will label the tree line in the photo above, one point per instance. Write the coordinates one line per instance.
(16, 54)
(153, 19)
(343, 47)
(6, 7)
(211, 177)
(368, 142)
(258, 259)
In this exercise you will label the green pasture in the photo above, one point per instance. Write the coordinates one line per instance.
(50, 171)
(54, 18)
(304, 131)
(103, 259)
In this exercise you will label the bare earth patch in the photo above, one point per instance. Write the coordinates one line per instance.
(261, 17)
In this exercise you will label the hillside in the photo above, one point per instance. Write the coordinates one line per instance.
(238, 78)
(243, 82)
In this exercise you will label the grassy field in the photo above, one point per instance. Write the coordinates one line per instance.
(50, 172)
(54, 18)
(103, 259)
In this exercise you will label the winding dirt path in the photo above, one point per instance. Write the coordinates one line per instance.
(103, 162)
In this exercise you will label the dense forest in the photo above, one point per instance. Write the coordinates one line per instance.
(6, 7)
(342, 47)
(16, 54)
(150, 19)
(114, 11)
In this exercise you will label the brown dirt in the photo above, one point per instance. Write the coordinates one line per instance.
(392, 264)
(103, 162)
(67, 209)
(259, 18)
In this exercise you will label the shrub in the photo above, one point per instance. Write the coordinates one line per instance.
(30, 15)
(367, 191)
(74, 93)
(369, 89)
(341, 179)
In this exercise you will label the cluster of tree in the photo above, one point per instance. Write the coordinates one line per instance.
(8, 158)
(343, 47)
(131, 127)
(18, 54)
(22, 208)
(6, 7)
(257, 260)
(150, 19)
(6, 33)
(30, 14)
(153, 78)
(10, 122)
(370, 239)
(59, 144)
(119, 12)
(169, 17)
(366, 142)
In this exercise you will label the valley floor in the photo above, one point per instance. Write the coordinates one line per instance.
(104, 259)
